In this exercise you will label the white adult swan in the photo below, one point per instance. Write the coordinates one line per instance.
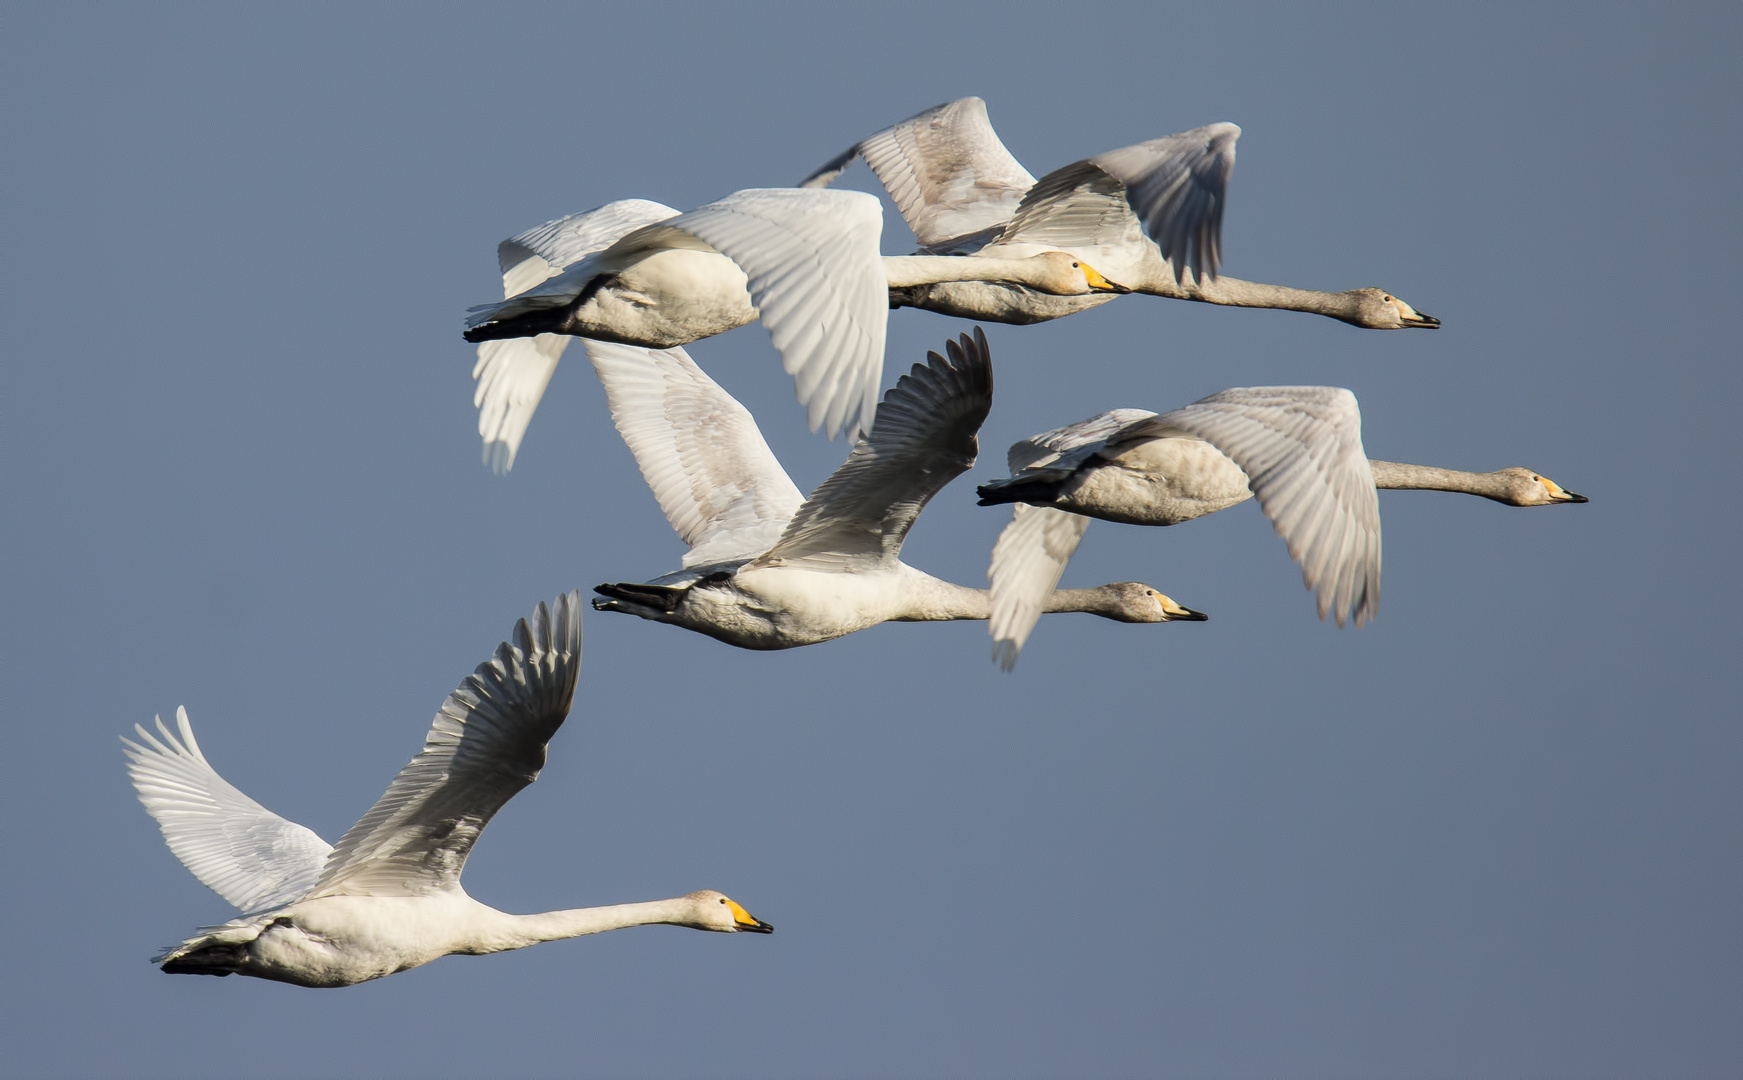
(768, 570)
(963, 193)
(640, 273)
(388, 897)
(1297, 448)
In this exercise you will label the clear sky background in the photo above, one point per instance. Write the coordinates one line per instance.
(1494, 834)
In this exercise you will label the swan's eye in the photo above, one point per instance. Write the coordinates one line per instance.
(1389, 300)
(723, 899)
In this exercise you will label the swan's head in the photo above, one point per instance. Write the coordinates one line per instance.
(1135, 601)
(1377, 309)
(710, 910)
(1527, 488)
(1063, 274)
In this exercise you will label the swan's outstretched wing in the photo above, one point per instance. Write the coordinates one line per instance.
(1028, 560)
(512, 373)
(945, 168)
(716, 480)
(923, 439)
(236, 847)
(818, 281)
(1301, 448)
(487, 743)
(1047, 448)
(1174, 188)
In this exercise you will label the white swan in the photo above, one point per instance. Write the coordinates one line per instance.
(1149, 216)
(388, 897)
(640, 273)
(1297, 448)
(770, 570)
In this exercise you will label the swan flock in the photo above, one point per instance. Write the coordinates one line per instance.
(767, 567)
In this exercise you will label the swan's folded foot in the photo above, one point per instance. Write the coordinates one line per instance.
(1039, 490)
(206, 957)
(526, 324)
(648, 601)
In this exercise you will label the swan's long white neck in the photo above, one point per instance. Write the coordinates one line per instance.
(524, 930)
(933, 600)
(1158, 280)
(1398, 476)
(904, 271)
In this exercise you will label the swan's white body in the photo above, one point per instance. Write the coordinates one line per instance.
(1297, 448)
(1149, 216)
(640, 273)
(768, 569)
(388, 897)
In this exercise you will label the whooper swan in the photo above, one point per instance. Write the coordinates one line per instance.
(388, 897)
(1148, 215)
(770, 570)
(1297, 448)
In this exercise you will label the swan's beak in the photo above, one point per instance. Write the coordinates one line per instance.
(1097, 283)
(1561, 494)
(746, 922)
(1173, 612)
(1420, 321)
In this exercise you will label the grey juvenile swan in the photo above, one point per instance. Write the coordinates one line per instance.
(770, 570)
(1148, 215)
(1297, 448)
(640, 273)
(388, 897)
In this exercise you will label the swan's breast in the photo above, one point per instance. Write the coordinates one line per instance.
(342, 940)
(994, 301)
(1156, 482)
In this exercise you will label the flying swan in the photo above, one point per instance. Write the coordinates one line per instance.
(768, 569)
(1148, 215)
(640, 273)
(1298, 449)
(388, 897)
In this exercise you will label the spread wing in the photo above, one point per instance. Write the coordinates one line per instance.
(945, 168)
(236, 847)
(923, 439)
(1049, 447)
(512, 373)
(1173, 188)
(716, 480)
(1301, 448)
(1028, 561)
(818, 281)
(487, 743)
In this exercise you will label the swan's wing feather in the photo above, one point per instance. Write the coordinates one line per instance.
(512, 373)
(236, 847)
(1301, 448)
(1028, 561)
(1178, 185)
(1049, 446)
(487, 743)
(817, 278)
(1077, 208)
(945, 168)
(567, 240)
(716, 480)
(924, 438)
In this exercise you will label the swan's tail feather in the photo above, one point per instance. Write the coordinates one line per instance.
(1040, 490)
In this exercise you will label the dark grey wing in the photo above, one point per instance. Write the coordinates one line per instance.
(486, 744)
(924, 437)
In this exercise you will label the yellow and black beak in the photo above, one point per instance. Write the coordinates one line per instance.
(1097, 283)
(1420, 321)
(1173, 612)
(746, 922)
(1561, 494)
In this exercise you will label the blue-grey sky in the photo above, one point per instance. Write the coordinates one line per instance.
(1492, 834)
